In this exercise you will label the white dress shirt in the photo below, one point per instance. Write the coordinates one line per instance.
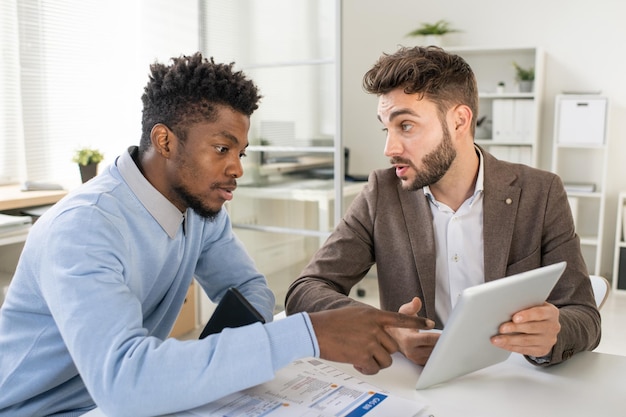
(459, 246)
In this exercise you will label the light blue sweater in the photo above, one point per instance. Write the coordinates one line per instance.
(98, 287)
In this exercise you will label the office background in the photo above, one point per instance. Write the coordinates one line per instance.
(109, 46)
(580, 54)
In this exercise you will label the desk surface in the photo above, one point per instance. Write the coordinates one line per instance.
(589, 384)
(303, 190)
(12, 197)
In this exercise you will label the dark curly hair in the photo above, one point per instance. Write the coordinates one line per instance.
(187, 92)
(445, 79)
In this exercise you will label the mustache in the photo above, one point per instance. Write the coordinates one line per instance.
(225, 184)
(398, 160)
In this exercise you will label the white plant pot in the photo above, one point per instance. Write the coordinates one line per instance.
(526, 86)
(434, 40)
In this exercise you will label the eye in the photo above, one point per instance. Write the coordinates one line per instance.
(405, 127)
(242, 155)
(221, 149)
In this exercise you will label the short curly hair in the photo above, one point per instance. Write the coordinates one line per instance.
(187, 92)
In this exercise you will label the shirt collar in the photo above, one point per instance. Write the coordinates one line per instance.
(164, 212)
(478, 188)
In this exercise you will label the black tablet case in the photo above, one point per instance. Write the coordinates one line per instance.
(232, 311)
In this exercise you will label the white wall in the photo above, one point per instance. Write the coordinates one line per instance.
(583, 45)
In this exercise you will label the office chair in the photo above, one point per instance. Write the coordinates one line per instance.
(601, 289)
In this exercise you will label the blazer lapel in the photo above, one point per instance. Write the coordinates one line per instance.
(416, 210)
(500, 203)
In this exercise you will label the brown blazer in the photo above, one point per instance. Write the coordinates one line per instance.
(527, 224)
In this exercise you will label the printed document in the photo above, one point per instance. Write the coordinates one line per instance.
(311, 388)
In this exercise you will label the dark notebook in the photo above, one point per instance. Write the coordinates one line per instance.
(232, 311)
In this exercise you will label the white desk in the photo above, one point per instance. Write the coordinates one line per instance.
(588, 385)
(315, 190)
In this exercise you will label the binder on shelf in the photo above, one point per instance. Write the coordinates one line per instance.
(523, 122)
(503, 112)
(513, 120)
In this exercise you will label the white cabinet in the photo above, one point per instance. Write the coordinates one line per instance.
(508, 119)
(579, 157)
(619, 259)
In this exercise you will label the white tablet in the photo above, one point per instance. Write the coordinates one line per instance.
(464, 345)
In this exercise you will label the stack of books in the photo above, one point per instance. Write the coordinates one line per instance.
(13, 225)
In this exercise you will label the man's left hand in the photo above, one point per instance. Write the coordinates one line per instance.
(531, 332)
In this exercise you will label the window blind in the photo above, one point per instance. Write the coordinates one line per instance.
(75, 74)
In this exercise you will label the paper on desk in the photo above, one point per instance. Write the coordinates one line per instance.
(311, 388)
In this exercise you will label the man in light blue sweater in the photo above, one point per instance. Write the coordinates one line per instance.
(105, 271)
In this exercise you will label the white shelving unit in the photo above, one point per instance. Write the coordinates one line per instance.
(580, 140)
(510, 125)
(619, 258)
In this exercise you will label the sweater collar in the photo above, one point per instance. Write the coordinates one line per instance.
(164, 212)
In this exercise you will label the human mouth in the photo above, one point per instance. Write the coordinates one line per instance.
(402, 167)
(401, 170)
(226, 191)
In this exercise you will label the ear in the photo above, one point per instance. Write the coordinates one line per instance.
(462, 118)
(160, 137)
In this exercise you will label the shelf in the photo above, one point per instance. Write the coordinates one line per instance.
(510, 116)
(585, 146)
(588, 241)
(491, 142)
(299, 63)
(579, 141)
(584, 194)
(510, 95)
(486, 49)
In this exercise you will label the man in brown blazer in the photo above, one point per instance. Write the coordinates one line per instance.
(448, 215)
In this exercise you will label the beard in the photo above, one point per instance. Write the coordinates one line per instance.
(435, 164)
(195, 203)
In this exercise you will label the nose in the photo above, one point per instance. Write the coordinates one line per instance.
(393, 147)
(235, 168)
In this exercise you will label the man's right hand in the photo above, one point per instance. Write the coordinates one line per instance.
(416, 346)
(359, 335)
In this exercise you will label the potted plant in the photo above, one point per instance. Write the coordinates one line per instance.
(433, 32)
(87, 160)
(525, 77)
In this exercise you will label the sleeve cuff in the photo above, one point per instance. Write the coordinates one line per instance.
(292, 338)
